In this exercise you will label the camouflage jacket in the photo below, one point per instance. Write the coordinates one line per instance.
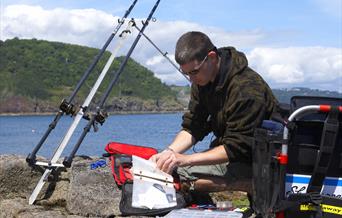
(231, 107)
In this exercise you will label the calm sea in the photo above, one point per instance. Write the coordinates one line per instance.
(20, 134)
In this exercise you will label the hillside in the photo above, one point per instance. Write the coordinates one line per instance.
(35, 75)
(283, 95)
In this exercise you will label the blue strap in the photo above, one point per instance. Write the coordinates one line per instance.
(99, 163)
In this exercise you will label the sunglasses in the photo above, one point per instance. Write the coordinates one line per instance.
(197, 69)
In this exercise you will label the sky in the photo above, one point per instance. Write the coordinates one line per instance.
(289, 43)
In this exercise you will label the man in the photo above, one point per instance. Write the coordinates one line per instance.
(227, 98)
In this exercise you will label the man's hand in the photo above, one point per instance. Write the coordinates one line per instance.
(171, 157)
(168, 160)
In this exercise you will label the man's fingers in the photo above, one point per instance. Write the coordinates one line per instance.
(154, 158)
(170, 164)
(166, 161)
(165, 156)
(171, 167)
(166, 165)
(162, 158)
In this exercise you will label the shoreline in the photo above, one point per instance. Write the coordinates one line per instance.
(109, 113)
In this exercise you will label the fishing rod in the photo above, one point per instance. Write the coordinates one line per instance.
(81, 113)
(100, 115)
(94, 119)
(164, 54)
(66, 107)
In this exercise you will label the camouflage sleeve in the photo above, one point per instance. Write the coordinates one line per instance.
(243, 116)
(195, 119)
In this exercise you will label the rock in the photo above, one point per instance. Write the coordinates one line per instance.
(75, 192)
(17, 179)
(92, 192)
(12, 207)
(16, 104)
(18, 207)
(55, 190)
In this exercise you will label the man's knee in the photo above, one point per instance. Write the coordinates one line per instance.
(215, 178)
(217, 184)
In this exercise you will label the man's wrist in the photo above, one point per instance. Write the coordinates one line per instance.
(169, 149)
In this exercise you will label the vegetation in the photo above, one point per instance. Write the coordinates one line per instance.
(35, 75)
(46, 72)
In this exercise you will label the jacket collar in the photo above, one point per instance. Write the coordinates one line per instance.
(232, 62)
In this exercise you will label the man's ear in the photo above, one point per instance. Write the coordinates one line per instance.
(212, 53)
(212, 56)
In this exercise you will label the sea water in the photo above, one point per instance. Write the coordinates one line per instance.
(20, 134)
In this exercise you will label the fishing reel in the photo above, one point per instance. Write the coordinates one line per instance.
(67, 107)
(99, 118)
(124, 32)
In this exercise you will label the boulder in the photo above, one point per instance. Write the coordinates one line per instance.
(19, 208)
(75, 192)
(17, 179)
(92, 191)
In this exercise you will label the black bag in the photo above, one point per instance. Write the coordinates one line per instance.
(314, 149)
(120, 155)
(126, 208)
(328, 207)
(265, 181)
